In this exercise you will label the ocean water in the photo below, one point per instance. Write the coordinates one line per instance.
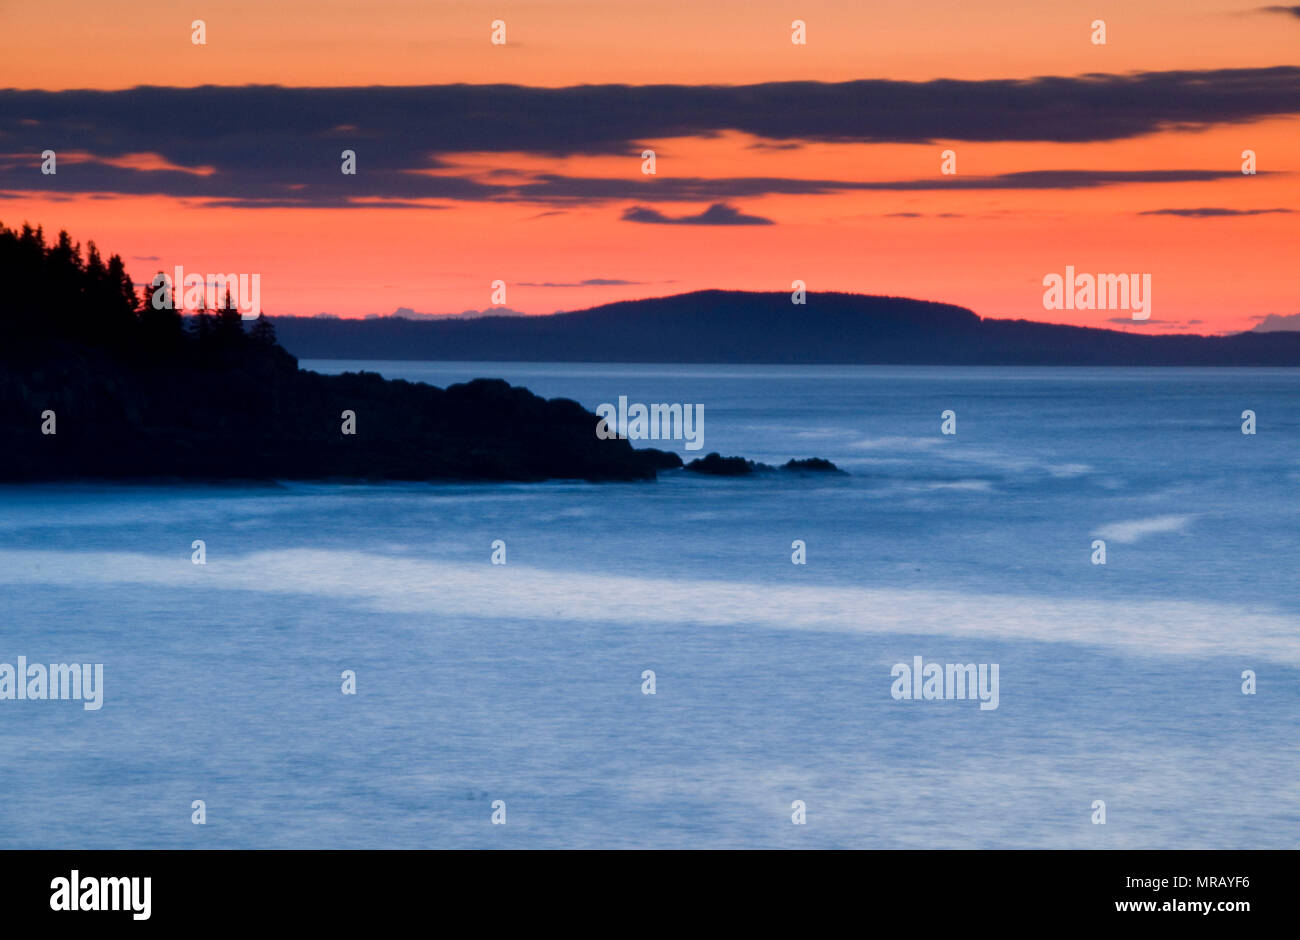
(523, 683)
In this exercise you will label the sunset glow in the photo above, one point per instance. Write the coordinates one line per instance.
(567, 230)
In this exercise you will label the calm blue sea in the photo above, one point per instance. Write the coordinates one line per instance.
(523, 683)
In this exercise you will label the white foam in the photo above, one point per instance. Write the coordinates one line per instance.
(1132, 530)
(481, 590)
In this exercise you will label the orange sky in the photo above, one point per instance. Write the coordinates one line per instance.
(984, 249)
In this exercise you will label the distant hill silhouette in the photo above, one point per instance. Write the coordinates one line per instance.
(716, 326)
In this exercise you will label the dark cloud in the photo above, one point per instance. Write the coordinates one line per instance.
(1210, 213)
(1178, 324)
(320, 202)
(409, 313)
(1274, 322)
(1059, 179)
(717, 214)
(261, 124)
(272, 146)
(697, 189)
(402, 190)
(1285, 11)
(589, 282)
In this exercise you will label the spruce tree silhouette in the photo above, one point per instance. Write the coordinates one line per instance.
(230, 322)
(263, 331)
(52, 293)
(204, 328)
(162, 329)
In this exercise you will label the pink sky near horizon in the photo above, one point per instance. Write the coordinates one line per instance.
(983, 249)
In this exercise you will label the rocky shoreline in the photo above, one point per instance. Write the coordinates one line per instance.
(97, 382)
(79, 413)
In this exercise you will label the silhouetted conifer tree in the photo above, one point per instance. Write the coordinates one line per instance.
(230, 322)
(162, 328)
(204, 326)
(51, 293)
(263, 331)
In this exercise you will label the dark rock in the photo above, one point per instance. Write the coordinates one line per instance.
(717, 465)
(254, 415)
(812, 465)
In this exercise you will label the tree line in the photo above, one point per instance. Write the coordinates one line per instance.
(54, 292)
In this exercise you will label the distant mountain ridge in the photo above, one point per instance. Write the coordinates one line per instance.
(716, 326)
